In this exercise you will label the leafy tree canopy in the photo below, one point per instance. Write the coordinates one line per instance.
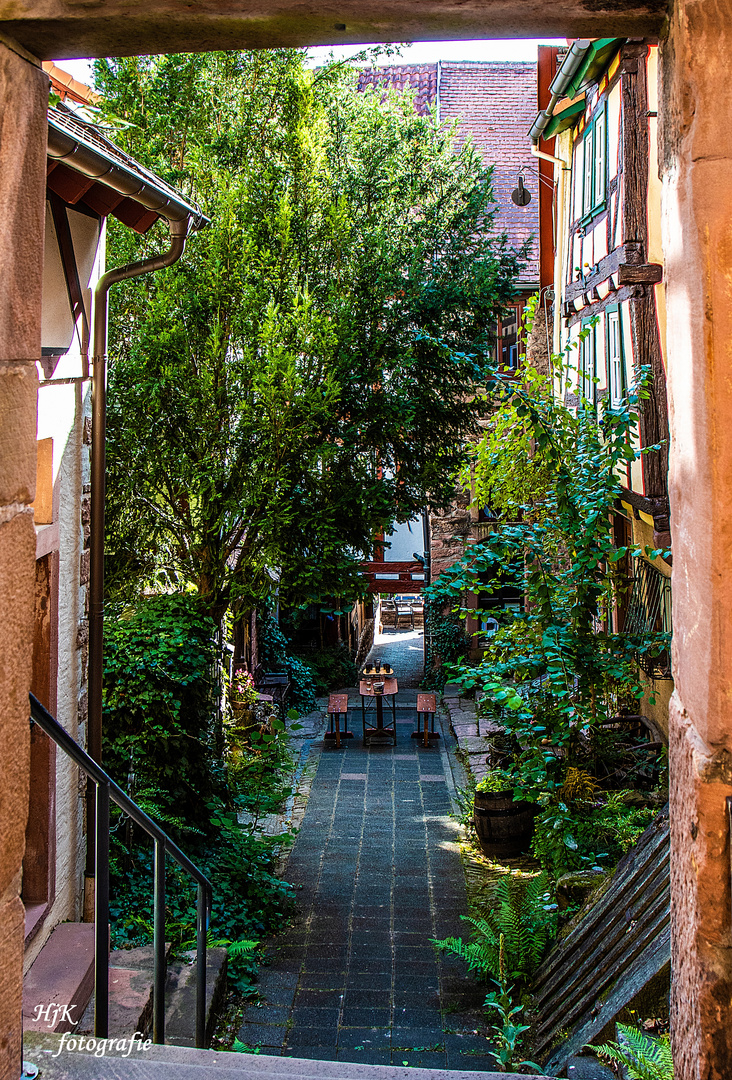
(303, 375)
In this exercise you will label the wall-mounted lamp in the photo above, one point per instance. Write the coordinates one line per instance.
(521, 195)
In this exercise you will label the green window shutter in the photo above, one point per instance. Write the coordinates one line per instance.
(588, 187)
(600, 163)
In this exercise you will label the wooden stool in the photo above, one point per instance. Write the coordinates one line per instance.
(426, 709)
(337, 708)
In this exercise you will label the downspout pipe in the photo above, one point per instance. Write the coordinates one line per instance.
(178, 232)
(563, 168)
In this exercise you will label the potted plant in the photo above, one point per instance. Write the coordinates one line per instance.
(504, 823)
(243, 699)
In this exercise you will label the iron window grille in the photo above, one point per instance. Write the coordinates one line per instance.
(649, 612)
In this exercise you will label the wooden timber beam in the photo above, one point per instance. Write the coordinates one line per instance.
(64, 29)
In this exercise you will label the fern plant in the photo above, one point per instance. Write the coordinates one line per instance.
(509, 1031)
(524, 915)
(642, 1057)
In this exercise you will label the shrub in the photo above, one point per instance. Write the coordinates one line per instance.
(572, 838)
(160, 709)
(331, 668)
(642, 1057)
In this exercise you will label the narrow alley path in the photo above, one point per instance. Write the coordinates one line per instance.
(378, 873)
(404, 651)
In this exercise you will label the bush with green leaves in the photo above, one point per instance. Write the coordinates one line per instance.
(249, 900)
(160, 747)
(276, 655)
(641, 1056)
(447, 642)
(589, 835)
(515, 932)
(332, 668)
(556, 674)
(160, 707)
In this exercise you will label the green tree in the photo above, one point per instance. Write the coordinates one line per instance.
(303, 376)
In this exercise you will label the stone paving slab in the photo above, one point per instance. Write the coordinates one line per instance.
(378, 872)
(404, 651)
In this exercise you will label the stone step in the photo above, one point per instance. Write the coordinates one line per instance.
(181, 1063)
(131, 994)
(60, 981)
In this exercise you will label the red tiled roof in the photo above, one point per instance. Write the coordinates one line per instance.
(422, 78)
(495, 103)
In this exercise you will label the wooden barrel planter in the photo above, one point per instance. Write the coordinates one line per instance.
(504, 827)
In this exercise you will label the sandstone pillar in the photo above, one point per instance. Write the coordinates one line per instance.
(696, 163)
(23, 100)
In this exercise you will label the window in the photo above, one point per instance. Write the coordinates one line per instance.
(579, 172)
(599, 142)
(587, 362)
(588, 195)
(615, 365)
(509, 337)
(591, 167)
(649, 612)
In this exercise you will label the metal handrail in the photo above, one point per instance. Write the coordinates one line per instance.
(106, 789)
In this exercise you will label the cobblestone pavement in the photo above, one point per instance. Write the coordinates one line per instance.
(378, 873)
(404, 651)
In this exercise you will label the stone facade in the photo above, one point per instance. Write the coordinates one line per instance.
(23, 93)
(450, 533)
(696, 166)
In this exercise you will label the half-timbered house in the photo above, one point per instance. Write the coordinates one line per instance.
(597, 127)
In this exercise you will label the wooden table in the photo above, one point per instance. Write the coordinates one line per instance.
(390, 690)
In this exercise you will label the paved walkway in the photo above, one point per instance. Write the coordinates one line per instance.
(404, 651)
(378, 873)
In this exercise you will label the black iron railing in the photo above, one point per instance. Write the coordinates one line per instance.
(106, 791)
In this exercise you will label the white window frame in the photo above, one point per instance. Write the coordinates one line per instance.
(600, 144)
(616, 373)
(588, 185)
(588, 368)
(579, 182)
(591, 166)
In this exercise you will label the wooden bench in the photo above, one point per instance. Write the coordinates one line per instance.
(274, 684)
(337, 708)
(426, 709)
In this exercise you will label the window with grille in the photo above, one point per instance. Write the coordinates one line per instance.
(649, 612)
(590, 164)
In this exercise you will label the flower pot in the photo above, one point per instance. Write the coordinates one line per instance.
(504, 827)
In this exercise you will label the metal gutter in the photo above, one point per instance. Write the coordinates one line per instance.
(83, 148)
(558, 86)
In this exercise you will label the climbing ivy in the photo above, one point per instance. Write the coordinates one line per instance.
(558, 671)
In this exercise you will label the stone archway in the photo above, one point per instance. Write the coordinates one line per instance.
(696, 148)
